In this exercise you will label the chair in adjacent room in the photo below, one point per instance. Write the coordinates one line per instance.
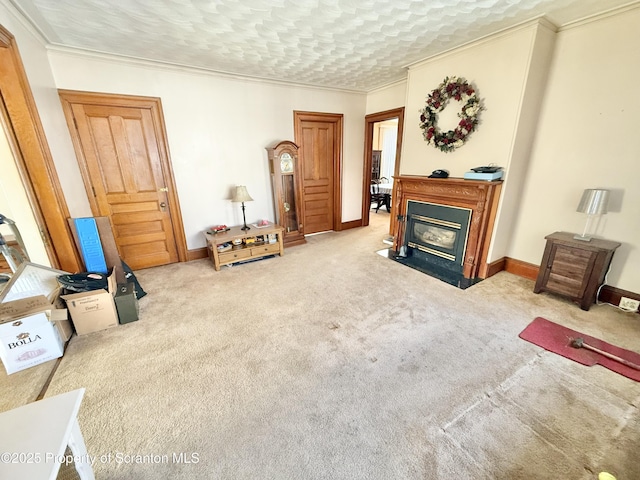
(376, 196)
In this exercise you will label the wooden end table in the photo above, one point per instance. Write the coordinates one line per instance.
(574, 268)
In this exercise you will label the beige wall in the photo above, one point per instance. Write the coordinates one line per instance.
(588, 138)
(497, 67)
(218, 128)
(387, 98)
(509, 74)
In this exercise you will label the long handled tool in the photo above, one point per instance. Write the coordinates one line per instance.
(580, 343)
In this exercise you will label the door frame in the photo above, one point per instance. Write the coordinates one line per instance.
(368, 154)
(154, 105)
(33, 158)
(337, 119)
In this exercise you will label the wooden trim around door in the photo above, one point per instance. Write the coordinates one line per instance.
(368, 148)
(154, 105)
(337, 118)
(33, 158)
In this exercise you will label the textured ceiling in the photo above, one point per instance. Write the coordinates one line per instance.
(351, 44)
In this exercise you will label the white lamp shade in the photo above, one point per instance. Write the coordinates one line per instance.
(241, 195)
(594, 201)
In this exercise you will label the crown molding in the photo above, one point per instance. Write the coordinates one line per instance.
(600, 16)
(540, 21)
(22, 17)
(395, 83)
(176, 67)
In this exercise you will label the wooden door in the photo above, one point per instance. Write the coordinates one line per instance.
(127, 174)
(319, 136)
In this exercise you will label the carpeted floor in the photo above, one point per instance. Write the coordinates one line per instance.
(333, 362)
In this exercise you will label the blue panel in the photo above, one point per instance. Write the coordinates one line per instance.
(90, 245)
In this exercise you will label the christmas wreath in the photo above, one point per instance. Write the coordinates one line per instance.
(458, 89)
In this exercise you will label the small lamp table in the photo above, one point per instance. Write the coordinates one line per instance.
(34, 437)
(574, 268)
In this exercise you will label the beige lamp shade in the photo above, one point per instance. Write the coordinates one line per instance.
(241, 195)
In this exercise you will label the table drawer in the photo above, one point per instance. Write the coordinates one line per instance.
(269, 248)
(235, 255)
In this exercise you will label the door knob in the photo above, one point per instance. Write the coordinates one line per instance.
(163, 205)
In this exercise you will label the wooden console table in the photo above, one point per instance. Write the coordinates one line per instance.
(244, 251)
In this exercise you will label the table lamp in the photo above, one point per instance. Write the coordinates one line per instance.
(241, 195)
(593, 202)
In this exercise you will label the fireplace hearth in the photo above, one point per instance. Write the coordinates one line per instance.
(443, 227)
(418, 263)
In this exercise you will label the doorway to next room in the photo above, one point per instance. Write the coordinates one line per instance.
(383, 142)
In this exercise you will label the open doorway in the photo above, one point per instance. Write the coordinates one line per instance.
(385, 138)
(383, 144)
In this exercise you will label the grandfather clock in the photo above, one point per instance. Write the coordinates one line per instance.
(287, 190)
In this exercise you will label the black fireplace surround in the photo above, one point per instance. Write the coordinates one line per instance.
(436, 240)
(437, 234)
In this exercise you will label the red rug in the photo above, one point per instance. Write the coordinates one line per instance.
(557, 339)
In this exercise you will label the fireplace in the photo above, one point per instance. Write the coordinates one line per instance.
(437, 234)
(443, 226)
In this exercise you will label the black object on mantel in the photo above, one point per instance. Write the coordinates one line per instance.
(439, 174)
(487, 169)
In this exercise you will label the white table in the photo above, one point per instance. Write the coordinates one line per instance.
(385, 188)
(34, 437)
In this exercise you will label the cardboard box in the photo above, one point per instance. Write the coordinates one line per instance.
(94, 310)
(126, 303)
(28, 335)
(56, 312)
(60, 316)
(60, 319)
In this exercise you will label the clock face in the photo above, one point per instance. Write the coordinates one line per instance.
(286, 163)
